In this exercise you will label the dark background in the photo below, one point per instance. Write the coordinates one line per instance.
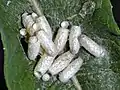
(116, 13)
(116, 10)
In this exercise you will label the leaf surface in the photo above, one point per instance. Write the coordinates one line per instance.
(95, 74)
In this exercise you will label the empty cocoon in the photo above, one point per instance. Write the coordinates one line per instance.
(33, 47)
(43, 65)
(92, 46)
(65, 24)
(61, 62)
(46, 43)
(71, 70)
(43, 24)
(74, 44)
(46, 77)
(23, 31)
(88, 8)
(61, 39)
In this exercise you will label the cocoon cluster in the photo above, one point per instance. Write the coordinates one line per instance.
(41, 42)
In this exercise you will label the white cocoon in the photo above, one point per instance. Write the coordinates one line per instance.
(27, 21)
(46, 77)
(92, 46)
(33, 47)
(43, 65)
(46, 43)
(61, 39)
(61, 62)
(71, 70)
(43, 24)
(74, 44)
(65, 24)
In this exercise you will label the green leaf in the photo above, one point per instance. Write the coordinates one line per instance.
(95, 74)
